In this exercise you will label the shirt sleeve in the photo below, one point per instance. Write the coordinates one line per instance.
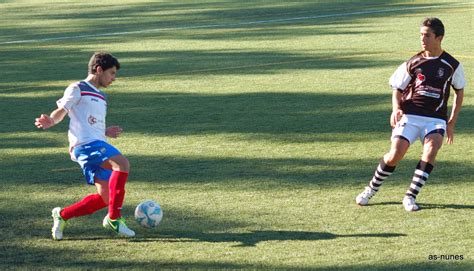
(400, 78)
(71, 97)
(459, 82)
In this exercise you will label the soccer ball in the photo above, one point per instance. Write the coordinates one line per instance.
(148, 214)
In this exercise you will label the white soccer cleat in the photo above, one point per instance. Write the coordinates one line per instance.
(118, 226)
(58, 224)
(363, 198)
(410, 204)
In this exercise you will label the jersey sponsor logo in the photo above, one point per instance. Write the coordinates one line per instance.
(429, 94)
(440, 73)
(420, 78)
(428, 91)
(92, 120)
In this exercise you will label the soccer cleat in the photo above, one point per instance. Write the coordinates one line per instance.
(410, 204)
(118, 225)
(58, 224)
(363, 198)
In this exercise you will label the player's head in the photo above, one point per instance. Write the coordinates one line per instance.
(435, 25)
(104, 67)
(431, 33)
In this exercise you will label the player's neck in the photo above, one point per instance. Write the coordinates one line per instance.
(433, 53)
(92, 79)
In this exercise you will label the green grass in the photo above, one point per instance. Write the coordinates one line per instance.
(255, 138)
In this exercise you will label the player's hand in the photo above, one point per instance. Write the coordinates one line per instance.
(395, 117)
(44, 121)
(450, 133)
(113, 131)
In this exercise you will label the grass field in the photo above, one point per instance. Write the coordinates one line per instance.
(253, 123)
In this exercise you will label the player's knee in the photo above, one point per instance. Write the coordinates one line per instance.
(431, 150)
(392, 158)
(103, 190)
(124, 164)
(104, 196)
(120, 163)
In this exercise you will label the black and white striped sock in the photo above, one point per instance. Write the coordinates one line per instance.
(422, 172)
(381, 173)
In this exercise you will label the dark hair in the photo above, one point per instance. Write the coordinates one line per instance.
(103, 60)
(435, 25)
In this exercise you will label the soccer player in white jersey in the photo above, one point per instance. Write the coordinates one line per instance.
(102, 164)
(421, 88)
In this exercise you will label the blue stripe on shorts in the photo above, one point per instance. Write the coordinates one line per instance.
(91, 155)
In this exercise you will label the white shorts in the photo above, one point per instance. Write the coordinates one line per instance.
(412, 127)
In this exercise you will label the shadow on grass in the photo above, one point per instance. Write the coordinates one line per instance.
(35, 257)
(254, 113)
(219, 15)
(26, 142)
(255, 237)
(72, 65)
(426, 205)
(289, 115)
(235, 173)
(153, 61)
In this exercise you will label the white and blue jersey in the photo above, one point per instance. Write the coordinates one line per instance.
(87, 108)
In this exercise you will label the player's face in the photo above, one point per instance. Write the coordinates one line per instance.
(107, 77)
(428, 39)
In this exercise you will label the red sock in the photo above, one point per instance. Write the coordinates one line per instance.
(86, 206)
(116, 193)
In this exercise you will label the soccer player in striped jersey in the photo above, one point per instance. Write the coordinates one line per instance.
(421, 88)
(102, 164)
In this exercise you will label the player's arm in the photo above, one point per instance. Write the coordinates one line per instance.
(458, 83)
(71, 96)
(396, 107)
(47, 121)
(398, 81)
(457, 104)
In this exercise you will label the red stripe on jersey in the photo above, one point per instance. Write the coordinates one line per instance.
(87, 93)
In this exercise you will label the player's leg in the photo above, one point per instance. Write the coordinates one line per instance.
(389, 162)
(120, 167)
(384, 169)
(116, 194)
(88, 205)
(103, 189)
(431, 145)
(90, 157)
(405, 132)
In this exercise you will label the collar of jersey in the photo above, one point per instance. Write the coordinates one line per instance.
(93, 87)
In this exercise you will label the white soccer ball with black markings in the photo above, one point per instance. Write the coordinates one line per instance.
(148, 214)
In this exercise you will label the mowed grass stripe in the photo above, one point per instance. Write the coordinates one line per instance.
(238, 24)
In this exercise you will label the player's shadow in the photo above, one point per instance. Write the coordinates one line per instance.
(445, 206)
(253, 238)
(427, 205)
